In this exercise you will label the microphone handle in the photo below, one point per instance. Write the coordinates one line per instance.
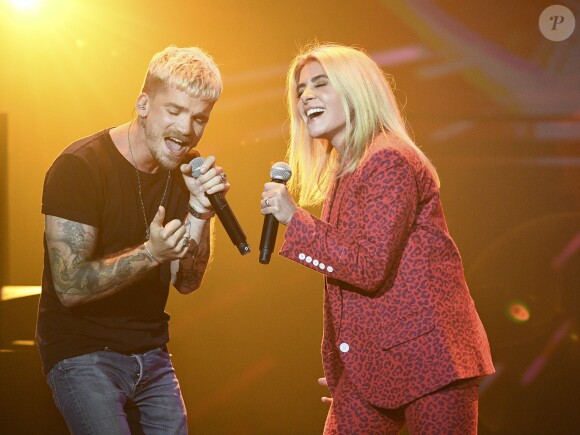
(268, 239)
(229, 222)
(269, 231)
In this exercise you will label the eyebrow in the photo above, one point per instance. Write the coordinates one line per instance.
(314, 80)
(181, 108)
(174, 106)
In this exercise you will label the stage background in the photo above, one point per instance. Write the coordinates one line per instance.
(489, 98)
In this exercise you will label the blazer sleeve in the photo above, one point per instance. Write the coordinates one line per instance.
(372, 227)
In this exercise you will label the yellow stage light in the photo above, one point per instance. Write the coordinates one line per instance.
(26, 5)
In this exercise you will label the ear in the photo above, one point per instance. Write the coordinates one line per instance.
(142, 105)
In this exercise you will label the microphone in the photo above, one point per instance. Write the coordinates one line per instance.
(223, 211)
(280, 173)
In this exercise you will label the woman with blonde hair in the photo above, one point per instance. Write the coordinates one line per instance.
(402, 342)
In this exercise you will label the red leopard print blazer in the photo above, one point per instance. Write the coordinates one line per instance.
(398, 316)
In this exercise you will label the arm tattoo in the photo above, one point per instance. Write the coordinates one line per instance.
(192, 270)
(71, 246)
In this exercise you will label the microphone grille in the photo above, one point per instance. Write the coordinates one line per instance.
(196, 165)
(280, 171)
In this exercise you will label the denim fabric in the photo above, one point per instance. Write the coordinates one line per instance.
(108, 393)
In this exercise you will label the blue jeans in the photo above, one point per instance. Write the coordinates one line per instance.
(108, 393)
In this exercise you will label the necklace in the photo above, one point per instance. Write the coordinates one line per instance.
(147, 231)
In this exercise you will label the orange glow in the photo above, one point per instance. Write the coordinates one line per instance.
(9, 292)
(518, 312)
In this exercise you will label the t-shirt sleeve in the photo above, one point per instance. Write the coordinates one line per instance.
(70, 191)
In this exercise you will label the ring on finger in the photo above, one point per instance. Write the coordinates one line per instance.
(185, 241)
(266, 202)
(224, 177)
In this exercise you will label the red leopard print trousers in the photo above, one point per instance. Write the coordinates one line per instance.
(450, 410)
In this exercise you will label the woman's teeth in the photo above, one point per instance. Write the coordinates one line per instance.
(312, 113)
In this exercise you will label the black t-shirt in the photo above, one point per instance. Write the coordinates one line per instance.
(90, 182)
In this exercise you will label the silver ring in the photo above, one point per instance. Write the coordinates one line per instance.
(266, 202)
(224, 177)
(185, 241)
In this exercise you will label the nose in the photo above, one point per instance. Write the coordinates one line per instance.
(307, 94)
(185, 126)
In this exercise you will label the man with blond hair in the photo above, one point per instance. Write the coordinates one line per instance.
(124, 218)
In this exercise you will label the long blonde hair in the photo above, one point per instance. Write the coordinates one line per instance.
(370, 107)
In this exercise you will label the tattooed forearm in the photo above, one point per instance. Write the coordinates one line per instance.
(191, 270)
(91, 278)
(77, 276)
(188, 279)
(70, 279)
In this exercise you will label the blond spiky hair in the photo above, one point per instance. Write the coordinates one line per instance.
(189, 69)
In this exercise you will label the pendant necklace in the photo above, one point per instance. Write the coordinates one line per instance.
(147, 231)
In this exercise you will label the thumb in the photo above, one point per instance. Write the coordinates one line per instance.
(157, 221)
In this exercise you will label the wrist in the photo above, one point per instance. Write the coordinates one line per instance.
(150, 254)
(205, 215)
(287, 221)
(197, 205)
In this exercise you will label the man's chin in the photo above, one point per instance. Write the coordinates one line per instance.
(169, 164)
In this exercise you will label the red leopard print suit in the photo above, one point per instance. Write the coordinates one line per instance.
(398, 316)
